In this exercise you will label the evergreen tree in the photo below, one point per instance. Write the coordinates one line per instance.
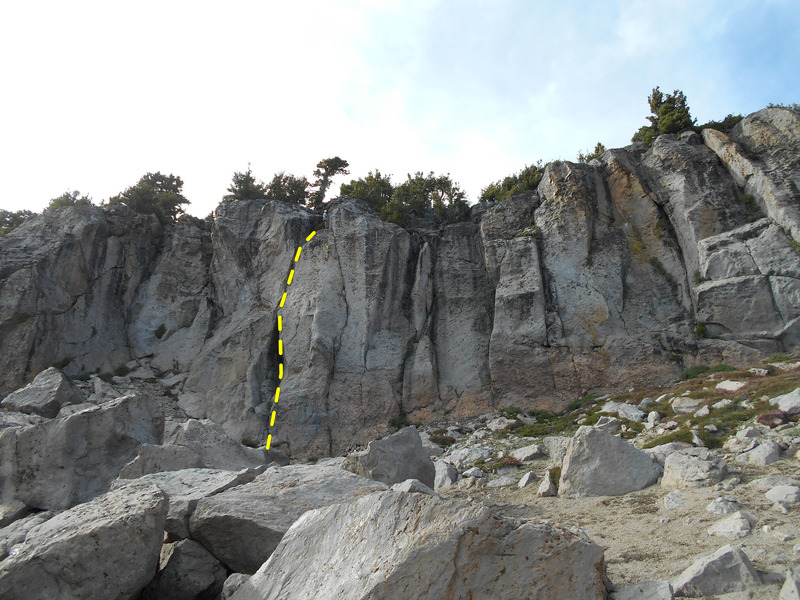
(288, 188)
(589, 156)
(73, 198)
(154, 194)
(374, 188)
(325, 170)
(12, 219)
(670, 114)
(245, 187)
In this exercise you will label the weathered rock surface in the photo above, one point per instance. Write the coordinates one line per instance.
(459, 321)
(394, 459)
(453, 550)
(692, 467)
(788, 402)
(105, 549)
(185, 489)
(188, 571)
(463, 458)
(726, 570)
(60, 463)
(599, 464)
(446, 475)
(45, 395)
(242, 526)
(645, 590)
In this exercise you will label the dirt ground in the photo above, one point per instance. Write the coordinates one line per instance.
(646, 541)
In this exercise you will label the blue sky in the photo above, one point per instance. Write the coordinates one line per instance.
(95, 94)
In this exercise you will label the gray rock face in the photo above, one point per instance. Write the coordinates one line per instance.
(454, 550)
(645, 590)
(187, 572)
(60, 463)
(185, 489)
(215, 448)
(692, 467)
(766, 453)
(726, 570)
(45, 395)
(599, 464)
(382, 321)
(394, 459)
(466, 457)
(242, 526)
(446, 475)
(788, 402)
(105, 549)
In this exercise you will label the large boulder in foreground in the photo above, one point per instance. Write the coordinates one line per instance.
(392, 545)
(600, 464)
(726, 570)
(106, 549)
(692, 467)
(45, 395)
(394, 459)
(60, 463)
(243, 525)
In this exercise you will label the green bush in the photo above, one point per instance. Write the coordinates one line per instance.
(375, 189)
(73, 198)
(122, 370)
(526, 180)
(590, 156)
(443, 440)
(81, 377)
(399, 421)
(285, 187)
(510, 411)
(700, 331)
(693, 372)
(160, 331)
(63, 362)
(724, 126)
(420, 194)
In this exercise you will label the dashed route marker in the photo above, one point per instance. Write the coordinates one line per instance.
(280, 339)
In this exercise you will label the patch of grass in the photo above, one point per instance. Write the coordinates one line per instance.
(399, 421)
(773, 358)
(160, 331)
(209, 333)
(62, 363)
(510, 411)
(555, 475)
(693, 372)
(698, 278)
(581, 402)
(677, 435)
(722, 368)
(494, 464)
(796, 245)
(105, 377)
(122, 370)
(700, 331)
(753, 209)
(82, 377)
(656, 264)
(443, 440)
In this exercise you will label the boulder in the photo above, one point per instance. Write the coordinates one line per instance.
(784, 494)
(673, 499)
(45, 395)
(791, 585)
(217, 450)
(17, 419)
(685, 404)
(185, 489)
(232, 584)
(764, 484)
(527, 453)
(394, 459)
(473, 472)
(723, 506)
(608, 424)
(157, 459)
(766, 453)
(726, 570)
(692, 467)
(188, 571)
(15, 533)
(527, 479)
(737, 525)
(788, 402)
(464, 458)
(730, 386)
(623, 410)
(547, 489)
(502, 481)
(413, 486)
(106, 549)
(242, 526)
(661, 452)
(599, 464)
(453, 550)
(446, 475)
(60, 463)
(556, 447)
(644, 590)
(499, 423)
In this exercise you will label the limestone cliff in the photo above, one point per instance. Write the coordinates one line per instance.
(597, 279)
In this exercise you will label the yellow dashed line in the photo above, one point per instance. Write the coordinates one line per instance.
(280, 341)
